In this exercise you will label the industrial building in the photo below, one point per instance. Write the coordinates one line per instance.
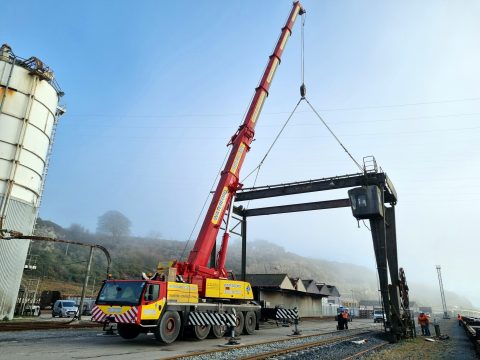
(308, 296)
(29, 112)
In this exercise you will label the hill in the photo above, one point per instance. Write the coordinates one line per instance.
(63, 265)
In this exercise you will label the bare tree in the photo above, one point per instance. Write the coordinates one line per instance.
(114, 223)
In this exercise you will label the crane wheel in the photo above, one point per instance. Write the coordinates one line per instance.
(168, 327)
(201, 331)
(218, 331)
(250, 323)
(240, 323)
(128, 331)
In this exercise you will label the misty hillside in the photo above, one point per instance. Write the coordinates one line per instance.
(133, 255)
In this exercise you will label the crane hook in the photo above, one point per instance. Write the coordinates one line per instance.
(303, 91)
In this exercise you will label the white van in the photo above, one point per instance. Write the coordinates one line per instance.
(378, 316)
(64, 308)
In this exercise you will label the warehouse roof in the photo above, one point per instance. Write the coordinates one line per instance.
(328, 290)
(283, 282)
(311, 287)
(297, 284)
(279, 281)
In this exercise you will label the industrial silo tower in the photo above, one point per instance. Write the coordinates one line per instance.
(29, 112)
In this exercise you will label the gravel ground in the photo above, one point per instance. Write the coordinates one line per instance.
(328, 352)
(458, 346)
(337, 350)
(88, 344)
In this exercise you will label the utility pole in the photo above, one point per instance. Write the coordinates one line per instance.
(353, 304)
(87, 275)
(93, 288)
(444, 304)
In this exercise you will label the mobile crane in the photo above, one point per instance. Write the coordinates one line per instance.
(190, 296)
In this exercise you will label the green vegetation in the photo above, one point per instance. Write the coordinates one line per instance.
(62, 266)
(133, 255)
(66, 262)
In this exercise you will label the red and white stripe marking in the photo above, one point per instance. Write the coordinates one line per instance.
(129, 317)
(97, 314)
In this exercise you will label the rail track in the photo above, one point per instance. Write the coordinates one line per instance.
(472, 328)
(325, 349)
(307, 347)
(45, 325)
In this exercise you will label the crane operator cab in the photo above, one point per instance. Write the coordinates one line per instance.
(139, 301)
(366, 202)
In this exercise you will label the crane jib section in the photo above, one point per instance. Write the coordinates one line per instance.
(229, 180)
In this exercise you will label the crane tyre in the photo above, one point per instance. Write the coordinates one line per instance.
(168, 327)
(128, 331)
(250, 323)
(240, 323)
(218, 331)
(200, 332)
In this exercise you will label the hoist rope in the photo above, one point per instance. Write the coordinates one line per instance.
(258, 167)
(302, 97)
(302, 49)
(303, 94)
(335, 136)
(204, 204)
(274, 141)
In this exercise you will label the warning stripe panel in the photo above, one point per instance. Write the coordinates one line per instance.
(198, 318)
(129, 317)
(97, 314)
(287, 313)
(231, 319)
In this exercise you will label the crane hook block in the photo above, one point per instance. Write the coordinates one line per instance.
(303, 90)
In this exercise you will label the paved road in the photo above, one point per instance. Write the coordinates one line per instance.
(92, 344)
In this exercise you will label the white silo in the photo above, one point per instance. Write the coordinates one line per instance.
(28, 114)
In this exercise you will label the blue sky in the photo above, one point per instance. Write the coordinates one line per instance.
(155, 89)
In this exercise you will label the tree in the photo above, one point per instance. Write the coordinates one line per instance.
(77, 232)
(114, 223)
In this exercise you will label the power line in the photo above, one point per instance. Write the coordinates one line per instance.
(401, 105)
(124, 136)
(189, 126)
(276, 113)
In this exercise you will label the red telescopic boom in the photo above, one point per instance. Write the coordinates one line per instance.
(223, 197)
